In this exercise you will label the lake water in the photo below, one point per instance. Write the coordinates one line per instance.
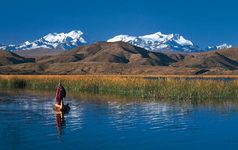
(29, 122)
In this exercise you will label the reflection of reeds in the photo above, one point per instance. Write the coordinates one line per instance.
(133, 86)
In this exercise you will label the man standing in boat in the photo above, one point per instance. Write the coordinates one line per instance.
(60, 95)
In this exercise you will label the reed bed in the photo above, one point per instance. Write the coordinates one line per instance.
(172, 87)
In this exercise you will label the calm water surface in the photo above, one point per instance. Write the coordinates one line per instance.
(29, 122)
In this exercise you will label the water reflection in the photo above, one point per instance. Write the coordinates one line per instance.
(60, 122)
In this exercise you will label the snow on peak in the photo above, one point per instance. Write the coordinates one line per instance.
(157, 35)
(182, 41)
(25, 43)
(62, 37)
(222, 46)
(158, 42)
(64, 41)
(124, 38)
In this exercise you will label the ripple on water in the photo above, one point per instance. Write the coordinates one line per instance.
(28, 119)
(75, 117)
(159, 117)
(122, 116)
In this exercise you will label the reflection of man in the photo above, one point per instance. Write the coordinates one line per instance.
(60, 122)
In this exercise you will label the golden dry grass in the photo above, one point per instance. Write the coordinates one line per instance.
(141, 86)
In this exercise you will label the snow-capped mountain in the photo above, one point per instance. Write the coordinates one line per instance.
(159, 42)
(153, 42)
(63, 41)
(222, 46)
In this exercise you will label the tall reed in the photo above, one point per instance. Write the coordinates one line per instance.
(131, 86)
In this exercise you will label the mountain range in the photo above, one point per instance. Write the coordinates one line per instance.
(121, 58)
(63, 41)
(157, 42)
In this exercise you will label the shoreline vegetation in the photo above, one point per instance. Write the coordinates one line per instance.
(175, 87)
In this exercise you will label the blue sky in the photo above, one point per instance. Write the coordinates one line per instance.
(205, 22)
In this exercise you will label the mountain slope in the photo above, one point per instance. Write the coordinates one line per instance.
(38, 52)
(225, 59)
(9, 58)
(63, 41)
(124, 53)
(117, 52)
